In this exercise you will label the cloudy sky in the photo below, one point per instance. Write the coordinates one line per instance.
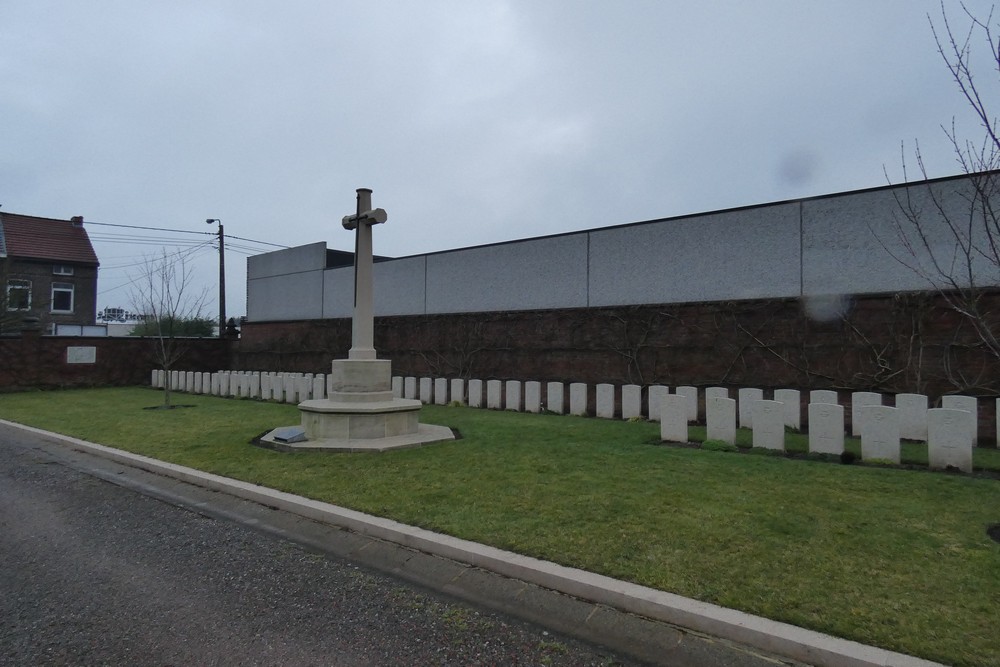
(473, 121)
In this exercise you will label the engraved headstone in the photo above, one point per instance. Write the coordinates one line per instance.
(948, 442)
(768, 425)
(824, 396)
(912, 416)
(674, 418)
(747, 398)
(860, 400)
(578, 399)
(458, 390)
(512, 390)
(826, 428)
(880, 433)
(494, 394)
(441, 391)
(968, 404)
(606, 401)
(656, 393)
(475, 393)
(631, 401)
(690, 394)
(792, 412)
(555, 397)
(532, 396)
(720, 419)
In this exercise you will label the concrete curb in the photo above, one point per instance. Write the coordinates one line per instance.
(771, 636)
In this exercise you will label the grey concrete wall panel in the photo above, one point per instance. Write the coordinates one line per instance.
(338, 292)
(534, 274)
(862, 243)
(297, 296)
(743, 254)
(310, 257)
(399, 286)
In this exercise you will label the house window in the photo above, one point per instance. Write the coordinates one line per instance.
(62, 297)
(18, 295)
(62, 270)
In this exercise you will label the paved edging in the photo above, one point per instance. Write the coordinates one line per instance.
(772, 636)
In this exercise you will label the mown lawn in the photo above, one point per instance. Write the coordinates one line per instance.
(890, 557)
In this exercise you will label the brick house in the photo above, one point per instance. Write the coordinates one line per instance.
(48, 270)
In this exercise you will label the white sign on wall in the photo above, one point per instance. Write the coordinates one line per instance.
(81, 355)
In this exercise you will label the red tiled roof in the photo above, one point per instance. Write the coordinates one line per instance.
(29, 237)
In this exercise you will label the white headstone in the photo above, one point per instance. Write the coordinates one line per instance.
(304, 385)
(555, 397)
(475, 393)
(654, 398)
(214, 384)
(318, 386)
(747, 398)
(860, 400)
(631, 401)
(826, 428)
(948, 439)
(823, 396)
(410, 388)
(970, 405)
(246, 385)
(720, 419)
(254, 385)
(161, 378)
(441, 391)
(691, 395)
(532, 396)
(912, 416)
(153, 376)
(198, 380)
(880, 433)
(174, 381)
(426, 390)
(606, 401)
(494, 394)
(674, 418)
(716, 392)
(265, 386)
(578, 399)
(458, 390)
(793, 407)
(397, 387)
(768, 425)
(189, 381)
(277, 387)
(224, 383)
(512, 390)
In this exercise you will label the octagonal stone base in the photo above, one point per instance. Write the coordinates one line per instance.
(360, 415)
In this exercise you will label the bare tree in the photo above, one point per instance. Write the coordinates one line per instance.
(949, 232)
(163, 293)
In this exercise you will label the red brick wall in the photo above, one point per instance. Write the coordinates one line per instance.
(31, 360)
(892, 343)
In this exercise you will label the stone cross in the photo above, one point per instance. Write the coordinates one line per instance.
(363, 320)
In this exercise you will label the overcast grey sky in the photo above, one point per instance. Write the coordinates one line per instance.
(473, 121)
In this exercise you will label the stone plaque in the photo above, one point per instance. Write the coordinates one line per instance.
(81, 355)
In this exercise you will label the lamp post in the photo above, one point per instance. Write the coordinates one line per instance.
(222, 277)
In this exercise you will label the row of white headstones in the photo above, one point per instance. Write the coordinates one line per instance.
(950, 431)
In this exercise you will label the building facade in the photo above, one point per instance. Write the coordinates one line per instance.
(48, 271)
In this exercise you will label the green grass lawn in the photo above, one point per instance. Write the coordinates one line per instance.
(890, 557)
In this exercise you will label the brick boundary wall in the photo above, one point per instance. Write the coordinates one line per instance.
(888, 343)
(34, 361)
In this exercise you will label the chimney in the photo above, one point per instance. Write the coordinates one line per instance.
(77, 220)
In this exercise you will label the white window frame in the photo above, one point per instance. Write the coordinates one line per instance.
(22, 285)
(62, 270)
(63, 287)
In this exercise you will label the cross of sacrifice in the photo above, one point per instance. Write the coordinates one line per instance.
(363, 320)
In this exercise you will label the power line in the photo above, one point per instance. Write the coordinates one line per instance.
(157, 229)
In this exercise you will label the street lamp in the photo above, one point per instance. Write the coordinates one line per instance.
(222, 277)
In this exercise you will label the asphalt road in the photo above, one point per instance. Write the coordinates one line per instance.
(93, 573)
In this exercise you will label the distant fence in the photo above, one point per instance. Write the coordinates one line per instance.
(880, 420)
